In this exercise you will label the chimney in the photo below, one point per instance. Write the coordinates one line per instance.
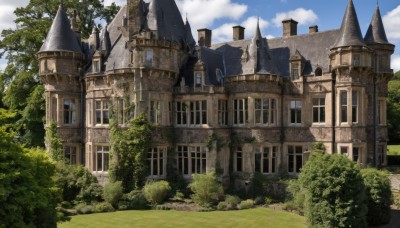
(289, 27)
(313, 29)
(238, 32)
(205, 37)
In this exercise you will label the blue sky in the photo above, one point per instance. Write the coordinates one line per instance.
(221, 15)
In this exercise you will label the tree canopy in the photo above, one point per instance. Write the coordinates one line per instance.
(20, 88)
(393, 109)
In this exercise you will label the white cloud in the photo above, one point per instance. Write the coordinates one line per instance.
(7, 16)
(301, 15)
(117, 2)
(396, 62)
(392, 24)
(224, 32)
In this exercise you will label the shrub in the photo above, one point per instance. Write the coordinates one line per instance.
(162, 207)
(379, 196)
(232, 201)
(258, 184)
(91, 193)
(246, 204)
(83, 208)
(104, 207)
(267, 201)
(295, 197)
(113, 192)
(179, 196)
(206, 189)
(334, 192)
(156, 192)
(222, 206)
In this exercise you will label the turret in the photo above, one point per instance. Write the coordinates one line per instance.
(136, 17)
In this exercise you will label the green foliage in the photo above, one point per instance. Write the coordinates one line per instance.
(156, 192)
(134, 200)
(113, 192)
(104, 207)
(206, 189)
(27, 193)
(396, 76)
(334, 192)
(246, 204)
(295, 196)
(54, 143)
(379, 195)
(258, 184)
(230, 203)
(130, 148)
(83, 208)
(393, 109)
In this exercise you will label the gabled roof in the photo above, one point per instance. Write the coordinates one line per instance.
(376, 31)
(60, 36)
(350, 30)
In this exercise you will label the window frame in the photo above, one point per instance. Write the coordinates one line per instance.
(296, 155)
(148, 57)
(192, 159)
(319, 109)
(297, 111)
(71, 112)
(223, 112)
(240, 111)
(104, 108)
(156, 156)
(267, 107)
(271, 158)
(71, 151)
(104, 153)
(155, 112)
(295, 71)
(238, 159)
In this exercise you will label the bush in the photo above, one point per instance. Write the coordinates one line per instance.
(104, 207)
(267, 201)
(379, 195)
(258, 184)
(206, 189)
(179, 197)
(156, 192)
(295, 197)
(113, 192)
(222, 206)
(334, 192)
(84, 208)
(232, 201)
(246, 204)
(90, 193)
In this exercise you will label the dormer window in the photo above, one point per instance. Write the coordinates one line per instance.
(295, 71)
(318, 72)
(356, 60)
(149, 57)
(198, 78)
(96, 66)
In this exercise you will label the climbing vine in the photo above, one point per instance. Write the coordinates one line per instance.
(129, 148)
(54, 142)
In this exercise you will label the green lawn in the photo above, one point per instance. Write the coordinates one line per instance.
(394, 149)
(260, 217)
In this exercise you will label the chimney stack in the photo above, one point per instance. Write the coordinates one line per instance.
(289, 27)
(238, 32)
(313, 29)
(204, 37)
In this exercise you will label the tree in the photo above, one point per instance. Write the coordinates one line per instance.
(334, 192)
(393, 110)
(379, 195)
(129, 146)
(21, 90)
(27, 194)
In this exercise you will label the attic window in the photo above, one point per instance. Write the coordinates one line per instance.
(149, 57)
(318, 72)
(96, 66)
(198, 79)
(295, 71)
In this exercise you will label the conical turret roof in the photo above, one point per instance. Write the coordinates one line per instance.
(189, 40)
(350, 32)
(60, 36)
(376, 31)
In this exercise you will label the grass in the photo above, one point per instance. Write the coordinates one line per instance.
(394, 150)
(259, 217)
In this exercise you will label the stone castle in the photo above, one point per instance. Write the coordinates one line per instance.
(239, 107)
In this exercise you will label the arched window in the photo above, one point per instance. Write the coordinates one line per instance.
(318, 72)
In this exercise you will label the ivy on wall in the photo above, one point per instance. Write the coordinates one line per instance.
(54, 142)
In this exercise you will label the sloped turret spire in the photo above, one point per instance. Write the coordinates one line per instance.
(259, 59)
(376, 31)
(60, 36)
(350, 34)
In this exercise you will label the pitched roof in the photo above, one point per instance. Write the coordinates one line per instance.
(376, 31)
(60, 36)
(350, 29)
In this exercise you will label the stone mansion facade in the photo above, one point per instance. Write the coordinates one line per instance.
(239, 107)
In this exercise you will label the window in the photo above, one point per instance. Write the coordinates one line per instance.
(265, 159)
(102, 116)
(343, 106)
(319, 110)
(155, 161)
(198, 112)
(318, 72)
(196, 155)
(148, 57)
(198, 79)
(240, 111)
(155, 112)
(96, 66)
(102, 158)
(181, 115)
(356, 154)
(265, 111)
(295, 112)
(222, 112)
(70, 155)
(354, 109)
(381, 154)
(69, 112)
(357, 59)
(239, 159)
(54, 109)
(295, 71)
(344, 151)
(123, 112)
(381, 114)
(295, 159)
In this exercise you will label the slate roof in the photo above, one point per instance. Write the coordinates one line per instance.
(60, 36)
(350, 29)
(376, 31)
(315, 48)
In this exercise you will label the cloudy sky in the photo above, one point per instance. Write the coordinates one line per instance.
(221, 15)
